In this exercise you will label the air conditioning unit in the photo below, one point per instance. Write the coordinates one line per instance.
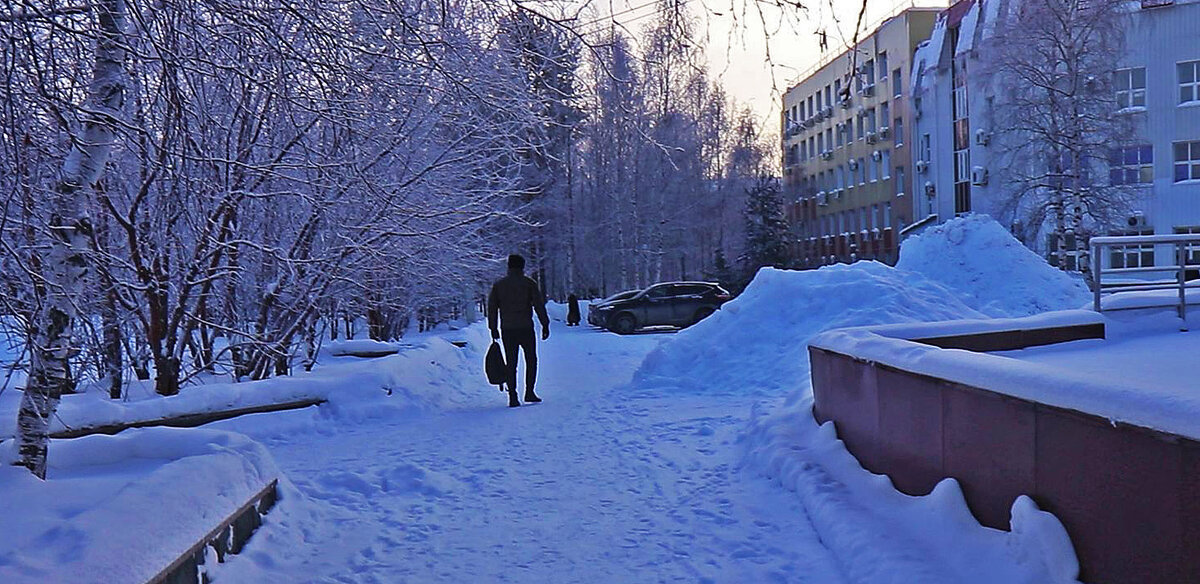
(793, 128)
(828, 111)
(930, 189)
(872, 137)
(826, 154)
(845, 102)
(1137, 220)
(922, 166)
(822, 198)
(808, 122)
(867, 90)
(982, 137)
(979, 176)
(853, 164)
(884, 133)
(876, 155)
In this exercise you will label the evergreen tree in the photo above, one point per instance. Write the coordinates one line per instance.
(766, 230)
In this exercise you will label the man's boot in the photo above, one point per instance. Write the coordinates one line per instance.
(512, 399)
(530, 397)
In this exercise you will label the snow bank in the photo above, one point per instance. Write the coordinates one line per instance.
(429, 374)
(882, 535)
(992, 271)
(757, 343)
(969, 268)
(173, 485)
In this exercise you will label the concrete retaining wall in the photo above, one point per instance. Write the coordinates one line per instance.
(1128, 496)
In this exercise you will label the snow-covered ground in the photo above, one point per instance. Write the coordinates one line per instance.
(655, 457)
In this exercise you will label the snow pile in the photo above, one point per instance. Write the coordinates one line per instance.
(121, 508)
(994, 273)
(429, 374)
(882, 535)
(757, 343)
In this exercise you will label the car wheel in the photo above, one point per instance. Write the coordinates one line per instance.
(624, 324)
(701, 314)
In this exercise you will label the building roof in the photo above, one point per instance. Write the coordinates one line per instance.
(957, 11)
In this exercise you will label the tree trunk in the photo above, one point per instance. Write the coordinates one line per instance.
(67, 264)
(114, 367)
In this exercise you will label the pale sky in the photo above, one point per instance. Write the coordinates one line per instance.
(737, 48)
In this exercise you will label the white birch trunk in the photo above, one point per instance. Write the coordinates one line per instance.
(66, 261)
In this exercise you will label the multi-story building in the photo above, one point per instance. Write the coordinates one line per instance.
(1157, 84)
(846, 147)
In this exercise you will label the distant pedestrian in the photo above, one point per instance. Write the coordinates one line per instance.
(511, 305)
(572, 310)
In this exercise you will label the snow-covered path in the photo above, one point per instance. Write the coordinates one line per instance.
(589, 486)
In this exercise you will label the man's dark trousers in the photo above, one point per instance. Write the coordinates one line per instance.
(524, 339)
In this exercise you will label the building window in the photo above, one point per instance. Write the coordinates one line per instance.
(1131, 87)
(841, 133)
(883, 66)
(873, 171)
(1131, 256)
(829, 138)
(861, 134)
(898, 131)
(886, 164)
(1187, 161)
(820, 142)
(1189, 82)
(869, 66)
(926, 152)
(897, 90)
(962, 182)
(862, 171)
(828, 96)
(872, 121)
(887, 215)
(1131, 166)
(898, 181)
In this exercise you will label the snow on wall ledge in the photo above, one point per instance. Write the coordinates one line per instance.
(173, 484)
(1175, 413)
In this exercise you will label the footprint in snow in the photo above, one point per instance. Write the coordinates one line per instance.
(410, 478)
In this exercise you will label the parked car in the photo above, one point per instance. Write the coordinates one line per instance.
(678, 304)
(597, 314)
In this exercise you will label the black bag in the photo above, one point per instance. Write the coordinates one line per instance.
(497, 371)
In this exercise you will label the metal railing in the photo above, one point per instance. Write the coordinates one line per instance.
(1172, 276)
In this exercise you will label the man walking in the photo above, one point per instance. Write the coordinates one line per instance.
(514, 299)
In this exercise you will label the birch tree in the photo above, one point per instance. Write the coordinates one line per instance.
(70, 229)
(1052, 64)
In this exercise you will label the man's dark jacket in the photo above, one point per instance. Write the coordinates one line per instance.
(513, 299)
